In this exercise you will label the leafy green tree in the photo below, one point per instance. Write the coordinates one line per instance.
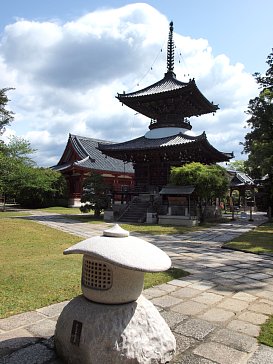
(238, 165)
(95, 195)
(14, 159)
(259, 141)
(19, 178)
(41, 187)
(210, 181)
(6, 116)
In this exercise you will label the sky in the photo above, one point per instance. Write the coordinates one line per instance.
(67, 60)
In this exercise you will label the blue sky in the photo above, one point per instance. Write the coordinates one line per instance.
(242, 29)
(68, 59)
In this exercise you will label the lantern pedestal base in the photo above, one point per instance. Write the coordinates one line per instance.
(91, 333)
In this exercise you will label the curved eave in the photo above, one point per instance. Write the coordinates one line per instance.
(143, 143)
(188, 100)
(180, 147)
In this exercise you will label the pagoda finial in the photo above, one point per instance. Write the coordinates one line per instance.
(170, 51)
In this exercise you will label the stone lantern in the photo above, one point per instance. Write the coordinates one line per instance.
(112, 322)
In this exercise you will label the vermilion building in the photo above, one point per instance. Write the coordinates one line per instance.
(81, 157)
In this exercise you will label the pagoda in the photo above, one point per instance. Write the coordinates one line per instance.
(168, 103)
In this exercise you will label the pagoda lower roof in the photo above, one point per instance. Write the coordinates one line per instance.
(179, 142)
(169, 96)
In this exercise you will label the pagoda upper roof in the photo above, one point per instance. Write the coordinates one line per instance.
(82, 153)
(169, 101)
(168, 97)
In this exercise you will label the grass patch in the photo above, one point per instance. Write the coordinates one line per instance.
(266, 333)
(258, 240)
(153, 279)
(6, 214)
(35, 273)
(159, 229)
(62, 210)
(75, 214)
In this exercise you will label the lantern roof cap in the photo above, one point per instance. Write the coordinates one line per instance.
(117, 247)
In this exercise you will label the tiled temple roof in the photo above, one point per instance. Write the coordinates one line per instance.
(179, 142)
(88, 156)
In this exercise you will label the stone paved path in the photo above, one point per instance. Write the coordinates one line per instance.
(215, 313)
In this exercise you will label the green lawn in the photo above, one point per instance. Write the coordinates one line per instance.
(158, 229)
(258, 240)
(266, 333)
(35, 273)
(62, 210)
(5, 214)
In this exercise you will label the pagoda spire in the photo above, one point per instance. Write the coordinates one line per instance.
(170, 52)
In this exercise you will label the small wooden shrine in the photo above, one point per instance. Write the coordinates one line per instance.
(168, 103)
(81, 157)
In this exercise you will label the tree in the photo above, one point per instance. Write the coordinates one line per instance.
(19, 178)
(6, 116)
(14, 158)
(41, 187)
(259, 141)
(238, 165)
(210, 181)
(95, 195)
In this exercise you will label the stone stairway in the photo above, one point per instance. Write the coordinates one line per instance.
(135, 213)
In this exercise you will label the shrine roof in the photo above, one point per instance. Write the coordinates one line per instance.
(146, 143)
(166, 84)
(88, 156)
(177, 190)
(169, 143)
(240, 179)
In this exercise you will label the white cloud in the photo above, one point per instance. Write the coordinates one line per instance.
(67, 76)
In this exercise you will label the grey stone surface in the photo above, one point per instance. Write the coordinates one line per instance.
(44, 328)
(183, 343)
(233, 305)
(20, 320)
(189, 307)
(53, 310)
(235, 340)
(244, 327)
(186, 292)
(34, 354)
(261, 307)
(220, 353)
(127, 333)
(217, 315)
(14, 340)
(253, 317)
(191, 359)
(208, 298)
(179, 283)
(244, 296)
(154, 292)
(167, 287)
(173, 318)
(166, 301)
(264, 355)
(198, 329)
